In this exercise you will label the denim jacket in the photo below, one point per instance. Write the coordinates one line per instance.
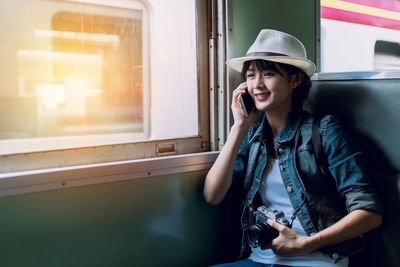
(306, 187)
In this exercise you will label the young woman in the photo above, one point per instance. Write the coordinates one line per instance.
(273, 164)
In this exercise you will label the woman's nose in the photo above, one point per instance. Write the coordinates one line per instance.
(259, 81)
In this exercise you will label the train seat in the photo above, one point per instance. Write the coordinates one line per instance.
(369, 110)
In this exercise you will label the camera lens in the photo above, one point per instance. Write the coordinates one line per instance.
(260, 234)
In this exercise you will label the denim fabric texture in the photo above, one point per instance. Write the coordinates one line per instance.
(306, 187)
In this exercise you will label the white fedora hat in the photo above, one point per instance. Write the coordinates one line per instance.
(278, 47)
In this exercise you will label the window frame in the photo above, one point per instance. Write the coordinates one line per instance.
(85, 154)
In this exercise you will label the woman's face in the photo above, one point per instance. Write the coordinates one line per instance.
(271, 88)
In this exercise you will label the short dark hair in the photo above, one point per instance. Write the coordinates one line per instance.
(299, 94)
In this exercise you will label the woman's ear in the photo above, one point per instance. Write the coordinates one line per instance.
(297, 79)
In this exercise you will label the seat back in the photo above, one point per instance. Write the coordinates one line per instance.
(370, 109)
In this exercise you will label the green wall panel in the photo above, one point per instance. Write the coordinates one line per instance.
(156, 221)
(292, 16)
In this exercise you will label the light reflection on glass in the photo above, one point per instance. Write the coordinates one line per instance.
(79, 71)
(51, 94)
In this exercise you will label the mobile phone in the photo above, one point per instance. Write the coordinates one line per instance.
(247, 103)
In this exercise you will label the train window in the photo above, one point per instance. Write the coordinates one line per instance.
(122, 77)
(81, 76)
(387, 55)
(356, 35)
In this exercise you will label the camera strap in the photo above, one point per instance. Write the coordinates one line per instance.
(296, 211)
(320, 158)
(293, 217)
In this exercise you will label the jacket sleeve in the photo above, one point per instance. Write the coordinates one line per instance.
(347, 167)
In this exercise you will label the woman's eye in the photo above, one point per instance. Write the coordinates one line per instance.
(250, 75)
(268, 73)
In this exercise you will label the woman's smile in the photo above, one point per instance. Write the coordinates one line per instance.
(262, 96)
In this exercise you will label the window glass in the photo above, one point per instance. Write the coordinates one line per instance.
(387, 55)
(96, 72)
(356, 35)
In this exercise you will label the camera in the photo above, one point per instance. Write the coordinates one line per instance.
(259, 233)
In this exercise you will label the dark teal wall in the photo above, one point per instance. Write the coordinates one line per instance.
(292, 16)
(163, 220)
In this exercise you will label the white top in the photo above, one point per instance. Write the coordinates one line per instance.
(274, 196)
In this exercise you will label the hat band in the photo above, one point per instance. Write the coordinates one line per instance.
(264, 54)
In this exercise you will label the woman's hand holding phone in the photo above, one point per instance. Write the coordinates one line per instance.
(243, 108)
(246, 103)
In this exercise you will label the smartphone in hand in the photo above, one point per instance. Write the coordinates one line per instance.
(247, 103)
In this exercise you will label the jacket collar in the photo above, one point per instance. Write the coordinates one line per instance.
(288, 132)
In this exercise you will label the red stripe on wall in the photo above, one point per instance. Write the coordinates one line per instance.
(352, 17)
